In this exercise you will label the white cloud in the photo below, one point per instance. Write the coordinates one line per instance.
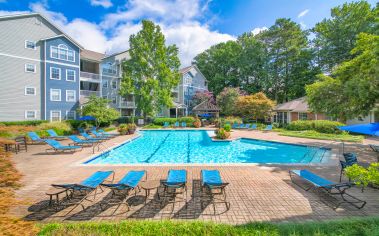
(257, 30)
(103, 3)
(303, 13)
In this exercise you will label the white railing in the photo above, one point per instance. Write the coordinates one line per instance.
(127, 104)
(89, 93)
(89, 75)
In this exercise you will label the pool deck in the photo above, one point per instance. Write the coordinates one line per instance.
(256, 192)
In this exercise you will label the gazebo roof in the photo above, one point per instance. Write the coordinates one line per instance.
(206, 106)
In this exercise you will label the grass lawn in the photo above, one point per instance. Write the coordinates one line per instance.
(316, 135)
(356, 226)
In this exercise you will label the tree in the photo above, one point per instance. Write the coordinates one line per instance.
(227, 99)
(200, 97)
(256, 106)
(98, 108)
(152, 71)
(353, 88)
(336, 37)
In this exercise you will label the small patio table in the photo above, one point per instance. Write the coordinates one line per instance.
(150, 185)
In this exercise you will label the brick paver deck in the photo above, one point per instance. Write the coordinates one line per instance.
(255, 192)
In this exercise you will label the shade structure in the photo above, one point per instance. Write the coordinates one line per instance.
(87, 118)
(206, 115)
(368, 129)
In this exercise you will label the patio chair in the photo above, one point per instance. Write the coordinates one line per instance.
(321, 185)
(174, 186)
(130, 182)
(77, 141)
(35, 138)
(214, 188)
(166, 125)
(100, 135)
(88, 187)
(106, 133)
(89, 137)
(268, 128)
(57, 146)
(253, 127)
(235, 125)
(184, 124)
(241, 126)
(176, 125)
(54, 135)
(350, 159)
(247, 126)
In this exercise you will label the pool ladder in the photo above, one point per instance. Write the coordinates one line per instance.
(309, 153)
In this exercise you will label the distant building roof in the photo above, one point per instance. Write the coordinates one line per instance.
(91, 55)
(206, 106)
(185, 69)
(115, 54)
(296, 105)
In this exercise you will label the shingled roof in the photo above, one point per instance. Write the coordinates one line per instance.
(206, 106)
(296, 105)
(91, 55)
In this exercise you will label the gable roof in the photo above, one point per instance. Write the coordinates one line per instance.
(206, 106)
(115, 54)
(6, 17)
(188, 68)
(296, 105)
(91, 55)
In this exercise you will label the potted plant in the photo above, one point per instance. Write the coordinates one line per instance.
(132, 128)
(222, 134)
(123, 129)
(197, 123)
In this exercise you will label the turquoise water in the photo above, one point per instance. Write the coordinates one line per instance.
(196, 147)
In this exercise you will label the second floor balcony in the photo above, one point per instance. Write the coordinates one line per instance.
(127, 104)
(89, 76)
(87, 93)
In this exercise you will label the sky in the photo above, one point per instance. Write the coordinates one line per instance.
(193, 25)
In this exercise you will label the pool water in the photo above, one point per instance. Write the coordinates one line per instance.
(179, 146)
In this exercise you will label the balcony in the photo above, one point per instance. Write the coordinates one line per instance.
(87, 93)
(89, 76)
(127, 104)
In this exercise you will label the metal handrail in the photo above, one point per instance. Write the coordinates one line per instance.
(315, 152)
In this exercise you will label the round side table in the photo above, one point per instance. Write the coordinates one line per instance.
(150, 185)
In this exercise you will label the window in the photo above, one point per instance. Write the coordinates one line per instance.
(280, 117)
(30, 114)
(71, 75)
(55, 115)
(70, 96)
(114, 100)
(55, 73)
(114, 84)
(109, 68)
(30, 91)
(70, 115)
(30, 68)
(55, 95)
(303, 116)
(187, 79)
(30, 44)
(62, 52)
(105, 84)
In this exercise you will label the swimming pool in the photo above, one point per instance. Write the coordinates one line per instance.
(183, 146)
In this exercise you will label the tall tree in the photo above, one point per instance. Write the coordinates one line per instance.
(98, 108)
(227, 100)
(256, 106)
(335, 37)
(152, 71)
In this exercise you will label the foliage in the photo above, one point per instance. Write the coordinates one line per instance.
(353, 88)
(227, 99)
(98, 108)
(13, 131)
(152, 71)
(322, 126)
(76, 124)
(227, 127)
(201, 96)
(24, 123)
(188, 119)
(197, 123)
(132, 126)
(162, 120)
(152, 126)
(256, 105)
(336, 37)
(127, 120)
(231, 120)
(222, 134)
(323, 136)
(61, 128)
(123, 129)
(363, 176)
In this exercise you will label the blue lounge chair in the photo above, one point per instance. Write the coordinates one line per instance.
(184, 124)
(253, 127)
(89, 137)
(328, 187)
(241, 126)
(175, 187)
(54, 135)
(57, 146)
(214, 188)
(100, 135)
(166, 125)
(268, 128)
(106, 133)
(350, 159)
(247, 126)
(35, 138)
(81, 142)
(88, 186)
(176, 124)
(123, 188)
(235, 125)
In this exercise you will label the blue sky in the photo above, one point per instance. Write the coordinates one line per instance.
(194, 25)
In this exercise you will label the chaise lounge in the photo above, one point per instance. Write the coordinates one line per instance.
(213, 189)
(89, 137)
(321, 185)
(35, 138)
(54, 135)
(57, 146)
(174, 186)
(77, 141)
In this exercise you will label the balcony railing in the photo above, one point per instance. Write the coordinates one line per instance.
(88, 93)
(127, 104)
(89, 75)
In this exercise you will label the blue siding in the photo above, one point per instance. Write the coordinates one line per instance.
(58, 41)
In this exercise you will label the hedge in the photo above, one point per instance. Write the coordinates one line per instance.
(27, 122)
(161, 120)
(322, 126)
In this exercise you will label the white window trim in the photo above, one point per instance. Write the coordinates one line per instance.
(74, 75)
(57, 47)
(51, 73)
(51, 115)
(35, 68)
(51, 95)
(112, 84)
(35, 114)
(74, 95)
(35, 91)
(71, 111)
(35, 45)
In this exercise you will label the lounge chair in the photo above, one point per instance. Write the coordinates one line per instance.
(54, 135)
(106, 133)
(241, 126)
(322, 185)
(184, 124)
(123, 188)
(166, 125)
(176, 125)
(77, 141)
(57, 146)
(253, 127)
(235, 125)
(100, 135)
(350, 159)
(268, 128)
(175, 187)
(214, 188)
(247, 126)
(89, 187)
(89, 137)
(35, 138)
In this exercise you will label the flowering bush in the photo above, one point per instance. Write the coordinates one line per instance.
(197, 123)
(222, 134)
(123, 129)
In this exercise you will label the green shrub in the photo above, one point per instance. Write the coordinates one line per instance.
(322, 126)
(76, 124)
(227, 127)
(222, 134)
(61, 128)
(123, 129)
(188, 119)
(231, 120)
(27, 122)
(362, 176)
(162, 120)
(152, 126)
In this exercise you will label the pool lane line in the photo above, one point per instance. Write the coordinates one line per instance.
(188, 148)
(156, 150)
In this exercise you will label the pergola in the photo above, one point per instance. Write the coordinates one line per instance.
(206, 107)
